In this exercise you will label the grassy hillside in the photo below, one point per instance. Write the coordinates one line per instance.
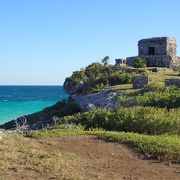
(148, 121)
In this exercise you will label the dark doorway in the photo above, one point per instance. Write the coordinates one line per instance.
(151, 50)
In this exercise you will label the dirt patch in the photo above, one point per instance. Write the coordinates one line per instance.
(78, 157)
(102, 160)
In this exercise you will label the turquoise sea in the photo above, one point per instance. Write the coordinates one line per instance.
(16, 101)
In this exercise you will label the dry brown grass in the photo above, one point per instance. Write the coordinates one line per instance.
(26, 158)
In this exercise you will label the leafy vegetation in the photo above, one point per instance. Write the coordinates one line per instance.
(105, 60)
(157, 96)
(146, 120)
(97, 76)
(139, 63)
(118, 77)
(58, 130)
(162, 147)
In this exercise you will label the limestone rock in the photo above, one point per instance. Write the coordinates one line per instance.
(105, 99)
(72, 87)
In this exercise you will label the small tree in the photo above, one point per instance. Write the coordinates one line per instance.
(105, 60)
(139, 63)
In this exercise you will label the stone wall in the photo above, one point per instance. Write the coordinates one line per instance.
(160, 45)
(176, 62)
(130, 60)
(156, 61)
(173, 81)
(105, 99)
(171, 46)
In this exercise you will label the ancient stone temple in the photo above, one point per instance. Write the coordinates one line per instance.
(159, 52)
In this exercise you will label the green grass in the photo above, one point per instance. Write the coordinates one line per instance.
(54, 133)
(160, 77)
(163, 147)
(121, 87)
(164, 97)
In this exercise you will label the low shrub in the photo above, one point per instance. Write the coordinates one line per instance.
(146, 120)
(161, 147)
(116, 78)
(164, 97)
(96, 77)
(139, 63)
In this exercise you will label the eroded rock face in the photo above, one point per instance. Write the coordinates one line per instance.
(105, 99)
(72, 87)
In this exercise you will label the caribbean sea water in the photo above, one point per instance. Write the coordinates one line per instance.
(16, 101)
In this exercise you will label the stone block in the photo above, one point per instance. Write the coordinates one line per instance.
(139, 81)
(172, 82)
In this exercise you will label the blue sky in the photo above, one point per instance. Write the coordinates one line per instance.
(43, 41)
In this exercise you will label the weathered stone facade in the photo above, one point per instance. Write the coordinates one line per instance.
(139, 81)
(159, 52)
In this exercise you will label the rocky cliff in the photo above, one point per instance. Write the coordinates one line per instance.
(105, 99)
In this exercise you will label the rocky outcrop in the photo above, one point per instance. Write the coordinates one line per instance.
(104, 99)
(72, 87)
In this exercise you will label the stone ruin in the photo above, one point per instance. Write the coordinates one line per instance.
(172, 82)
(139, 81)
(120, 62)
(158, 52)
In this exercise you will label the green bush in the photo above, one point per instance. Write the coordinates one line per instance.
(119, 77)
(116, 78)
(168, 99)
(164, 97)
(139, 63)
(96, 77)
(146, 120)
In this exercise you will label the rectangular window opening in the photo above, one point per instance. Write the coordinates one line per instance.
(151, 50)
